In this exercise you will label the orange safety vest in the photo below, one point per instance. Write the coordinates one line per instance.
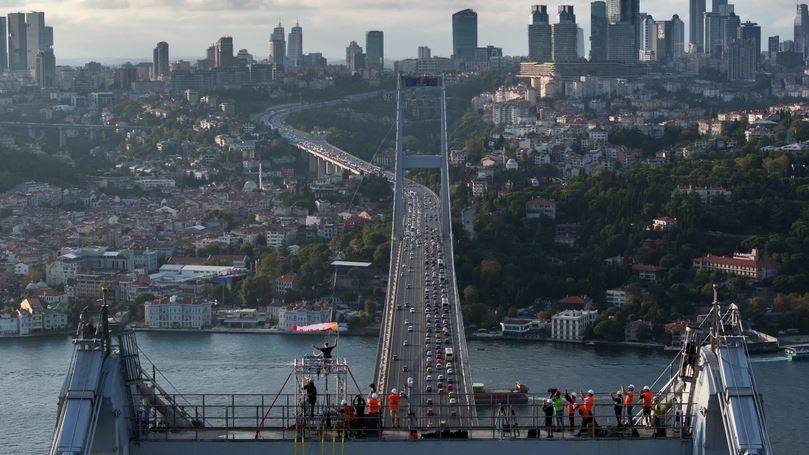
(393, 401)
(590, 402)
(373, 405)
(571, 406)
(629, 398)
(584, 410)
(647, 398)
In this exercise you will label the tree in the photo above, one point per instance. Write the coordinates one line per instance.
(471, 294)
(369, 306)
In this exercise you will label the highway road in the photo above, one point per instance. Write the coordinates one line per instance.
(422, 318)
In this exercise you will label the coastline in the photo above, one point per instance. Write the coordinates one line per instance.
(260, 331)
(55, 333)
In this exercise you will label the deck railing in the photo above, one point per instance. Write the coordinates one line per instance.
(243, 416)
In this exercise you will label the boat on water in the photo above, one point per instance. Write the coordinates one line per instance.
(797, 352)
(485, 397)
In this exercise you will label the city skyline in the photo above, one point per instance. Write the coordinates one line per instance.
(131, 27)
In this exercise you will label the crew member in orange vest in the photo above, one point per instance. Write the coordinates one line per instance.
(571, 409)
(393, 407)
(373, 410)
(648, 398)
(586, 411)
(629, 403)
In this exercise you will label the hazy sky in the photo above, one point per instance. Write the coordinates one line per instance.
(113, 29)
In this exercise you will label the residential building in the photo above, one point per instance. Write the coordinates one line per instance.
(616, 297)
(571, 325)
(537, 208)
(302, 314)
(175, 313)
(647, 272)
(375, 50)
(540, 47)
(575, 302)
(747, 265)
(708, 195)
(284, 283)
(637, 331)
(564, 35)
(663, 223)
(464, 35)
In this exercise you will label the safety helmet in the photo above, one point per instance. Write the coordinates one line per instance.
(631, 386)
(646, 387)
(394, 390)
(590, 392)
(343, 402)
(573, 394)
(373, 395)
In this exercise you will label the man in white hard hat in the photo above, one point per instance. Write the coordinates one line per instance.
(629, 403)
(647, 397)
(571, 408)
(393, 407)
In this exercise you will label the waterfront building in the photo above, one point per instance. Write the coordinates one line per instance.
(295, 46)
(174, 313)
(15, 324)
(375, 50)
(571, 325)
(464, 34)
(598, 31)
(696, 24)
(302, 314)
(521, 327)
(540, 35)
(564, 36)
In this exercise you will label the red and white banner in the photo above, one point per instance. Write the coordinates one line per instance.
(323, 327)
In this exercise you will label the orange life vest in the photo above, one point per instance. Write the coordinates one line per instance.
(590, 402)
(571, 405)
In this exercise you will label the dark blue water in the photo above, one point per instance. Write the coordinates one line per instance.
(32, 371)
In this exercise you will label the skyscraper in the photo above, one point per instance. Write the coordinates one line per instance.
(295, 46)
(751, 32)
(35, 36)
(45, 69)
(160, 61)
(223, 52)
(696, 24)
(464, 34)
(598, 31)
(717, 4)
(375, 50)
(773, 46)
(278, 47)
(626, 11)
(647, 35)
(17, 42)
(677, 36)
(540, 37)
(564, 36)
(424, 52)
(621, 43)
(3, 45)
(713, 33)
(802, 29)
(355, 59)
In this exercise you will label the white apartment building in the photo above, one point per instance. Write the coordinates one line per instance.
(172, 313)
(291, 316)
(570, 325)
(616, 297)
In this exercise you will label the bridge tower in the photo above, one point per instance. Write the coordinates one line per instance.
(404, 162)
